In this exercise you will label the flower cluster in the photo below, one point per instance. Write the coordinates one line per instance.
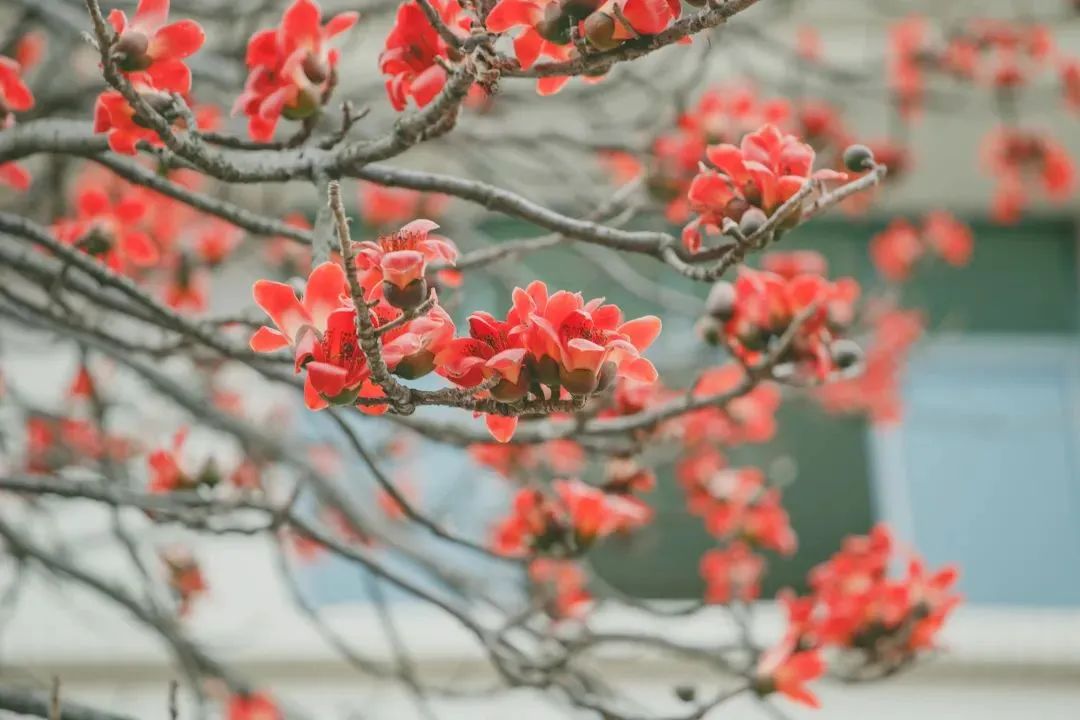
(857, 605)
(896, 250)
(414, 54)
(150, 52)
(1020, 160)
(291, 68)
(721, 115)
(758, 310)
(736, 503)
(546, 28)
(546, 346)
(565, 522)
(763, 171)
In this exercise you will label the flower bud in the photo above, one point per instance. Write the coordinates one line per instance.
(846, 354)
(507, 391)
(131, 50)
(407, 297)
(315, 68)
(416, 365)
(686, 693)
(555, 26)
(710, 330)
(582, 381)
(600, 31)
(720, 303)
(579, 9)
(752, 220)
(607, 376)
(858, 158)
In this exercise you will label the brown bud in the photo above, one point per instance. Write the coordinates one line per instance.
(131, 50)
(408, 297)
(720, 303)
(600, 31)
(846, 354)
(579, 9)
(710, 330)
(316, 68)
(507, 391)
(555, 26)
(751, 220)
(579, 382)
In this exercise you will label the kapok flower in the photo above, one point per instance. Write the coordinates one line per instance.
(169, 471)
(493, 349)
(321, 331)
(572, 340)
(114, 116)
(252, 706)
(410, 58)
(565, 523)
(765, 304)
(733, 573)
(410, 350)
(395, 264)
(108, 229)
(786, 669)
(765, 170)
(15, 96)
(564, 583)
(290, 68)
(540, 38)
(147, 44)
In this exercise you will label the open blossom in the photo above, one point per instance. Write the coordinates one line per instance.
(290, 67)
(786, 669)
(410, 349)
(148, 44)
(115, 117)
(564, 522)
(395, 264)
(766, 169)
(107, 228)
(1020, 160)
(413, 50)
(321, 331)
(733, 573)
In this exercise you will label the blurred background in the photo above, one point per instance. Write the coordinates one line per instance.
(981, 467)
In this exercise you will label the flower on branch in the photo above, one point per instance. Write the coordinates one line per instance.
(291, 68)
(107, 228)
(766, 169)
(15, 97)
(566, 522)
(395, 265)
(1020, 160)
(148, 44)
(414, 52)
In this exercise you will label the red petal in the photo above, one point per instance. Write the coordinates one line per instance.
(301, 21)
(312, 398)
(329, 380)
(138, 248)
(267, 339)
(279, 302)
(513, 13)
(325, 286)
(501, 428)
(151, 13)
(340, 23)
(178, 40)
(170, 74)
(550, 85)
(641, 331)
(15, 176)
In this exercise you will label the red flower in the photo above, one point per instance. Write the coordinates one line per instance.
(951, 239)
(82, 385)
(494, 348)
(1017, 156)
(14, 95)
(413, 47)
(786, 669)
(540, 38)
(148, 45)
(750, 418)
(410, 350)
(321, 331)
(566, 523)
(766, 304)
(290, 68)
(863, 608)
(572, 340)
(764, 171)
(253, 706)
(107, 229)
(732, 574)
(896, 249)
(395, 264)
